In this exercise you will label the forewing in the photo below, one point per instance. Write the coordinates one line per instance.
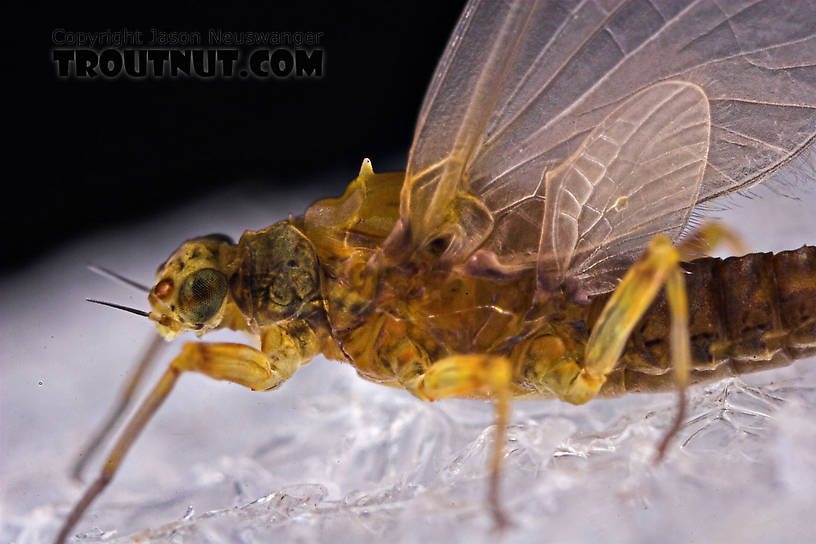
(522, 84)
(452, 124)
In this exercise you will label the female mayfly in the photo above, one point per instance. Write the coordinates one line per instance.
(557, 159)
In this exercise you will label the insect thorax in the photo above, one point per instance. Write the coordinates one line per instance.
(413, 313)
(277, 276)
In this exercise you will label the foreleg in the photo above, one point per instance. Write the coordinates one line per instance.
(287, 346)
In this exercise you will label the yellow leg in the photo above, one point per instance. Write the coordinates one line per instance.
(701, 241)
(659, 266)
(129, 435)
(476, 375)
(123, 402)
(237, 363)
(680, 351)
(553, 361)
(628, 303)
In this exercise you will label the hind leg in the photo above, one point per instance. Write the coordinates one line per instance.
(550, 363)
(557, 363)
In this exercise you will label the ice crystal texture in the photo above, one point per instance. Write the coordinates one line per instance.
(330, 457)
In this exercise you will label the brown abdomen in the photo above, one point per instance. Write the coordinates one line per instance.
(746, 314)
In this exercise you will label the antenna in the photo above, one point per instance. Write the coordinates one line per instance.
(110, 274)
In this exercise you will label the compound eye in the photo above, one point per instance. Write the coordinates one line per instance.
(201, 295)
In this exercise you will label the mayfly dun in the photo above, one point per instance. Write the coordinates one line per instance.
(538, 244)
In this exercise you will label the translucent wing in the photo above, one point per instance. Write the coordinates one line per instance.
(638, 173)
(523, 84)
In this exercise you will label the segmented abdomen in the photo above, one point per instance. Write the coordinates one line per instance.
(746, 314)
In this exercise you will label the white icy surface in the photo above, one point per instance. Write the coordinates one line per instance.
(330, 457)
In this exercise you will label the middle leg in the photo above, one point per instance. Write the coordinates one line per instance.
(474, 375)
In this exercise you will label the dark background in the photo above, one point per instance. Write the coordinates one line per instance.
(90, 154)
